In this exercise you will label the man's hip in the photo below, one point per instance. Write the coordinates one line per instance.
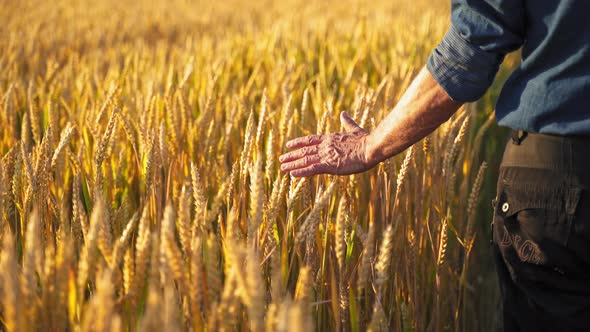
(541, 231)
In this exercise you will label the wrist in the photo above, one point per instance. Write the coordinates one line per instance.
(373, 153)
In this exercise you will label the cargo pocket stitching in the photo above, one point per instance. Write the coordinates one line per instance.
(512, 203)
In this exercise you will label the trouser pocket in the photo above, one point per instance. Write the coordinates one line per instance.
(533, 216)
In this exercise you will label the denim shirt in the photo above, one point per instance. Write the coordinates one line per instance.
(550, 90)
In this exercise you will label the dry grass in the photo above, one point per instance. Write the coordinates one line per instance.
(139, 182)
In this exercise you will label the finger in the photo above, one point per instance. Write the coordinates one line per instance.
(311, 170)
(348, 123)
(304, 141)
(293, 155)
(301, 163)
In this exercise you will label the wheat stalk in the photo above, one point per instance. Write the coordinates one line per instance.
(339, 234)
(256, 201)
(63, 141)
(90, 248)
(367, 257)
(309, 226)
(473, 200)
(11, 297)
(170, 249)
(184, 219)
(142, 252)
(384, 261)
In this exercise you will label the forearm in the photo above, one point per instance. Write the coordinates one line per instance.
(423, 108)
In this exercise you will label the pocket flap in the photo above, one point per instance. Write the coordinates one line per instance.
(514, 199)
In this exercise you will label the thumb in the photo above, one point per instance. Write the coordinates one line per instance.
(347, 123)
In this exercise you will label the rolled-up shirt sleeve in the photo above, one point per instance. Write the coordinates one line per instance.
(481, 34)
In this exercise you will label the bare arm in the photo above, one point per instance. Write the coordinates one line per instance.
(423, 108)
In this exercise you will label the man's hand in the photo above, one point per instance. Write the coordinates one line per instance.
(336, 153)
(424, 106)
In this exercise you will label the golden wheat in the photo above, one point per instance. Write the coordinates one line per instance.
(140, 187)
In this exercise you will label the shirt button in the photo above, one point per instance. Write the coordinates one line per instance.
(505, 207)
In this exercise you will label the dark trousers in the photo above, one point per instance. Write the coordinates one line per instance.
(541, 233)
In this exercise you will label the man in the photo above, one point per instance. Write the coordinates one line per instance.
(542, 208)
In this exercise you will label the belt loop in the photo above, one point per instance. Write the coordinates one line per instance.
(518, 136)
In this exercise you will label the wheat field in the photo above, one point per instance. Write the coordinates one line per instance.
(140, 187)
